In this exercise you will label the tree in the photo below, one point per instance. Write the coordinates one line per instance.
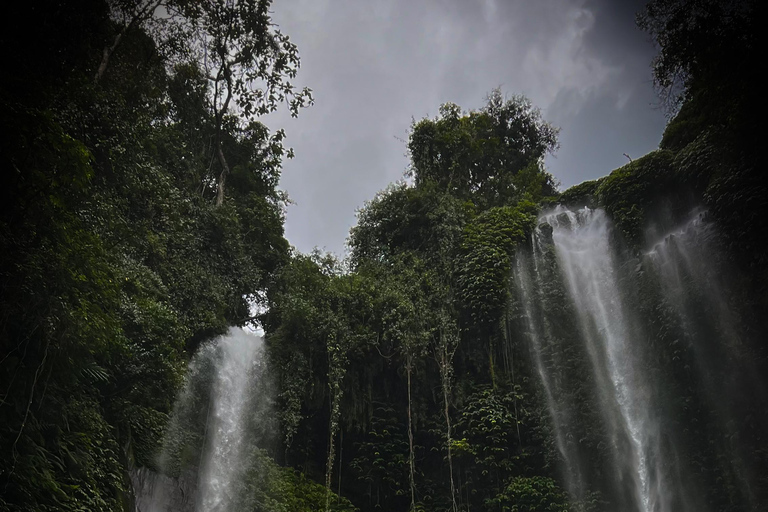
(249, 64)
(483, 154)
(405, 323)
(424, 220)
(116, 263)
(707, 74)
(707, 55)
(446, 344)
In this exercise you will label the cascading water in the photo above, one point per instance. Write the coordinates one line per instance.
(697, 284)
(218, 421)
(227, 423)
(644, 365)
(530, 284)
(579, 289)
(582, 244)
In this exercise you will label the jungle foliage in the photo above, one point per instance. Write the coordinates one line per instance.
(400, 363)
(141, 217)
(117, 257)
(440, 407)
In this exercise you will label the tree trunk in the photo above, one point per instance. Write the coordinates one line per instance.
(446, 376)
(220, 185)
(341, 459)
(106, 54)
(408, 369)
(490, 366)
(336, 370)
(331, 454)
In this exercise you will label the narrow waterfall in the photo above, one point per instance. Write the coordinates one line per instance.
(227, 422)
(531, 285)
(211, 446)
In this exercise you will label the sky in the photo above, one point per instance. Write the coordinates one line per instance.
(375, 66)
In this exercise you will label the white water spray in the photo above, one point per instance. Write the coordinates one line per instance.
(697, 285)
(583, 246)
(209, 437)
(227, 424)
(529, 288)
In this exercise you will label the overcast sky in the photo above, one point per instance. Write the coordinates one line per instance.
(376, 65)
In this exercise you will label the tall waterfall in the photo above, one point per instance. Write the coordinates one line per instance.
(631, 333)
(582, 242)
(211, 445)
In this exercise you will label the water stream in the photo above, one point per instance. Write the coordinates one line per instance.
(582, 243)
(217, 424)
(634, 334)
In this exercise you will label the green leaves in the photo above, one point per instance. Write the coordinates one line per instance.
(532, 494)
(487, 425)
(491, 156)
(423, 220)
(381, 460)
(485, 260)
(277, 489)
(116, 264)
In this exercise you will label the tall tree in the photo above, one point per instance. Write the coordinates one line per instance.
(446, 344)
(248, 62)
(405, 323)
(485, 155)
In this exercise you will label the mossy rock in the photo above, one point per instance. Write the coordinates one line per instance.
(698, 162)
(629, 191)
(684, 128)
(580, 195)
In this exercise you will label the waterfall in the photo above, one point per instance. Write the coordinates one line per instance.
(227, 426)
(582, 243)
(531, 283)
(219, 419)
(646, 362)
(580, 306)
(698, 285)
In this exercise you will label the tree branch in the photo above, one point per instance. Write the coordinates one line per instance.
(142, 15)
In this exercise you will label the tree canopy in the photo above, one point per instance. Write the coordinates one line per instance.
(706, 63)
(121, 249)
(494, 155)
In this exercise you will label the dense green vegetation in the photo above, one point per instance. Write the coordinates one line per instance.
(435, 400)
(142, 217)
(121, 248)
(374, 353)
